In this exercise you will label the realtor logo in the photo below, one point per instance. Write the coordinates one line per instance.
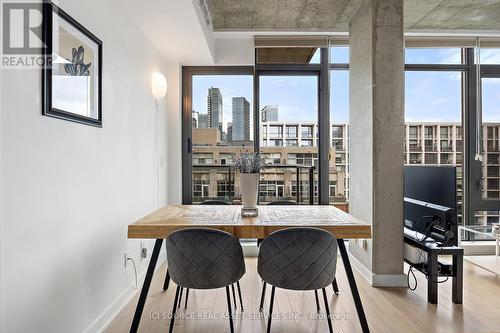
(22, 28)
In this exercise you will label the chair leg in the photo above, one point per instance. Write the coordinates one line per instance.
(327, 308)
(180, 298)
(171, 328)
(239, 294)
(317, 301)
(167, 281)
(270, 310)
(186, 300)
(261, 307)
(335, 286)
(229, 309)
(234, 296)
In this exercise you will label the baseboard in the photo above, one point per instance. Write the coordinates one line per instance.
(378, 280)
(103, 321)
(391, 280)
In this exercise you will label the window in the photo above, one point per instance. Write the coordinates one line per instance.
(272, 159)
(490, 56)
(227, 158)
(338, 144)
(291, 132)
(203, 159)
(219, 107)
(414, 132)
(275, 131)
(290, 103)
(306, 132)
(415, 158)
(433, 55)
(302, 159)
(339, 54)
(491, 138)
(275, 143)
(337, 132)
(339, 117)
(446, 159)
(306, 143)
(271, 190)
(200, 190)
(433, 112)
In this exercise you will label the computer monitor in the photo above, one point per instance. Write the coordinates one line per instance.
(431, 201)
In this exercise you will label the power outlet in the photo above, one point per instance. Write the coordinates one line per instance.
(362, 243)
(144, 251)
(126, 255)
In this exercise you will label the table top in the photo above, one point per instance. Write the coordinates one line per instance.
(162, 222)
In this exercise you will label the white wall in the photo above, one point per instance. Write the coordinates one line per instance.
(68, 191)
(234, 49)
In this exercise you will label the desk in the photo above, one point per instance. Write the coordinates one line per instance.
(435, 269)
(161, 223)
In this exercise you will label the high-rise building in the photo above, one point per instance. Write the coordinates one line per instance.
(229, 135)
(214, 108)
(203, 120)
(241, 119)
(269, 113)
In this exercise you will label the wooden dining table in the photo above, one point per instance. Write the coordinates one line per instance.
(162, 222)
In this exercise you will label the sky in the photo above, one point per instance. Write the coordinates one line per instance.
(429, 96)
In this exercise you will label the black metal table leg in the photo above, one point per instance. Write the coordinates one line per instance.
(180, 298)
(457, 281)
(167, 281)
(317, 301)
(432, 278)
(261, 306)
(145, 286)
(239, 294)
(270, 310)
(335, 287)
(229, 309)
(186, 302)
(328, 315)
(176, 300)
(353, 286)
(234, 296)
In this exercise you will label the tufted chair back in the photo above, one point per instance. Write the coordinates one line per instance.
(298, 259)
(201, 258)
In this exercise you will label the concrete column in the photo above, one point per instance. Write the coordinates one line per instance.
(376, 138)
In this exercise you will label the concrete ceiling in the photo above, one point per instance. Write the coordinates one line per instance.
(334, 15)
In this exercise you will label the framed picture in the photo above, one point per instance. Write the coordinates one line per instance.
(72, 78)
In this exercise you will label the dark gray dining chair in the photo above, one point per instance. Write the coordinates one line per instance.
(167, 276)
(201, 258)
(298, 259)
(263, 294)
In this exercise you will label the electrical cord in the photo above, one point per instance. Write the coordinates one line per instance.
(135, 271)
(421, 252)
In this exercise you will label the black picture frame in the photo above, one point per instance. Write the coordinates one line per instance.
(49, 9)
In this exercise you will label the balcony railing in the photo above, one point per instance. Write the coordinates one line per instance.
(229, 172)
(417, 148)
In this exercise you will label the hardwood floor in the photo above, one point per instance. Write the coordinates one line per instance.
(387, 309)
